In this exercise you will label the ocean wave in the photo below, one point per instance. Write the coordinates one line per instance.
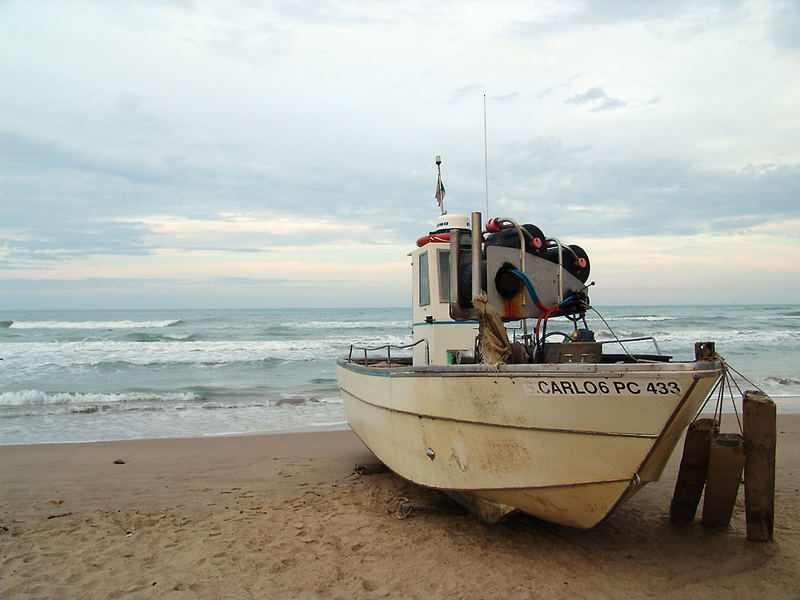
(605, 334)
(385, 325)
(6, 324)
(95, 352)
(782, 380)
(142, 336)
(40, 403)
(733, 337)
(36, 403)
(642, 318)
(337, 399)
(71, 361)
(105, 366)
(78, 399)
(93, 324)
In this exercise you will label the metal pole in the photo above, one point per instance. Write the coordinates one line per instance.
(477, 239)
(485, 157)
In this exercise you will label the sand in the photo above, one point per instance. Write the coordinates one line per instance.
(282, 516)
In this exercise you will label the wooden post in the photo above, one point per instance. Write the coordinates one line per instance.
(693, 470)
(725, 464)
(760, 438)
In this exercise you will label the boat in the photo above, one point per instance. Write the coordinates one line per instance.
(501, 415)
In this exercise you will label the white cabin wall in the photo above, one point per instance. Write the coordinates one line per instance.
(432, 321)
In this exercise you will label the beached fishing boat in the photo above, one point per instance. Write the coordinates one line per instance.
(554, 424)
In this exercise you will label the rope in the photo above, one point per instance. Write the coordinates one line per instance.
(729, 381)
(402, 507)
(399, 505)
(495, 347)
(727, 366)
(705, 402)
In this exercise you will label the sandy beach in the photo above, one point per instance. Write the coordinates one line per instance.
(282, 516)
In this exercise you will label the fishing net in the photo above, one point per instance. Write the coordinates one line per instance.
(495, 347)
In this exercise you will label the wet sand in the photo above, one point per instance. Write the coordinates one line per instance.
(283, 516)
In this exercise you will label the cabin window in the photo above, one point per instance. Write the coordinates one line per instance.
(424, 285)
(444, 275)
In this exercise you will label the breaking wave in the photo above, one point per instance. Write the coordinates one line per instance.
(787, 381)
(77, 399)
(382, 325)
(644, 318)
(91, 324)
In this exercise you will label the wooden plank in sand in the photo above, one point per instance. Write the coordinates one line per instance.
(725, 465)
(760, 437)
(693, 470)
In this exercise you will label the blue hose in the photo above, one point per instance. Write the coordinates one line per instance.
(532, 291)
(527, 283)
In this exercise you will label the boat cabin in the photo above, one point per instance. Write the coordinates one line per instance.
(441, 339)
(519, 273)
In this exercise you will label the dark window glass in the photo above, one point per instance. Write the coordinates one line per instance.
(424, 286)
(444, 275)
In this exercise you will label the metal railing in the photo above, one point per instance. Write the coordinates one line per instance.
(637, 339)
(388, 348)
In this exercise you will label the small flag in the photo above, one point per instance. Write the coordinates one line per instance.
(440, 191)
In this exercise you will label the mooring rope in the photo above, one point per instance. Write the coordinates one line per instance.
(399, 505)
(728, 366)
(402, 507)
(728, 380)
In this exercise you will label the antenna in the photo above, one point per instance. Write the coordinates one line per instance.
(485, 157)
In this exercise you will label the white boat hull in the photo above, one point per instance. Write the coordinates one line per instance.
(566, 443)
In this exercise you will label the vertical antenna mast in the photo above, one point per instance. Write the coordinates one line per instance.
(439, 184)
(485, 157)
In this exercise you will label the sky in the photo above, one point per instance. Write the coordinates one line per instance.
(203, 154)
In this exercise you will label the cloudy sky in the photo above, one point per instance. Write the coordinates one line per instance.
(245, 154)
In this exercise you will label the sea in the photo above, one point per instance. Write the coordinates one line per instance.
(92, 375)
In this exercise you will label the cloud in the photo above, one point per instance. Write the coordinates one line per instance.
(511, 96)
(565, 83)
(596, 100)
(628, 195)
(52, 242)
(468, 91)
(189, 141)
(784, 25)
